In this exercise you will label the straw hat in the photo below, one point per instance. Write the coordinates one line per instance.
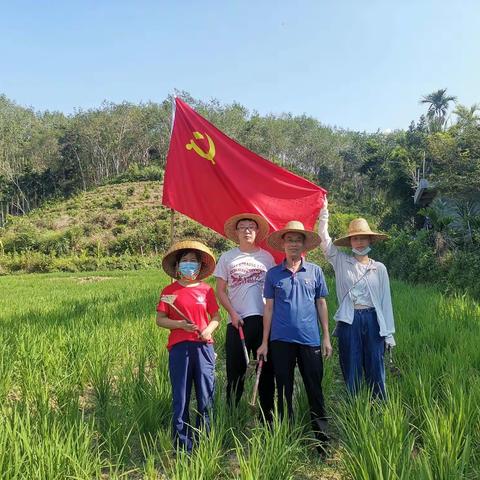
(312, 240)
(170, 258)
(230, 227)
(359, 226)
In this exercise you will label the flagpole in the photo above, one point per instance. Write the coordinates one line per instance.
(172, 211)
(173, 115)
(172, 225)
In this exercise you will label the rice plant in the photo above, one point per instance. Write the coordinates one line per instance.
(85, 393)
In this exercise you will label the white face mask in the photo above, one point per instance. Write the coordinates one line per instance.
(361, 252)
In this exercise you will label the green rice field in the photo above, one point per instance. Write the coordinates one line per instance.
(86, 395)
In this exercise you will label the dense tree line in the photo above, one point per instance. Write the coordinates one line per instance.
(48, 154)
(44, 155)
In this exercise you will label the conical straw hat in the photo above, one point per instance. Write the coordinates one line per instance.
(359, 226)
(230, 227)
(170, 258)
(312, 239)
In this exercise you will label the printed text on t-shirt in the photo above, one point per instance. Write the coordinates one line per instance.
(246, 272)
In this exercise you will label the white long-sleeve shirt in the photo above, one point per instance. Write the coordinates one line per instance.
(348, 271)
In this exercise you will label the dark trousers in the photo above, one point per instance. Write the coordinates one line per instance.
(285, 356)
(236, 364)
(191, 363)
(361, 350)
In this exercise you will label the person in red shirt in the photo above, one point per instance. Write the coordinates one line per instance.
(188, 308)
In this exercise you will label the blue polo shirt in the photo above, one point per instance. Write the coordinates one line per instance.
(295, 318)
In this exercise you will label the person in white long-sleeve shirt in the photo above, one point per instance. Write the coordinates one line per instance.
(365, 323)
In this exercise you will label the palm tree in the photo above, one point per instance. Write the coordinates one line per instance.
(438, 106)
(467, 116)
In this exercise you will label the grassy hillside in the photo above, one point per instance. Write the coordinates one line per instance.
(113, 226)
(124, 227)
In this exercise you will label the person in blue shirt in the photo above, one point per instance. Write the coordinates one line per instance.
(295, 292)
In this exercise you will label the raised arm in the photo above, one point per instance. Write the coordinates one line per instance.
(330, 251)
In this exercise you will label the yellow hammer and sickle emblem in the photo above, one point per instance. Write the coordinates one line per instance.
(210, 155)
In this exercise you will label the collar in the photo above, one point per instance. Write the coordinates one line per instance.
(371, 266)
(257, 249)
(301, 268)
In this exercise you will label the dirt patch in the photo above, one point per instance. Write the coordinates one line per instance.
(61, 222)
(91, 279)
(86, 400)
(14, 395)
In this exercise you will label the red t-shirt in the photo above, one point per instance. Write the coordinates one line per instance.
(196, 303)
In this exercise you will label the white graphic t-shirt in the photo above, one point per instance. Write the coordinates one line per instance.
(245, 275)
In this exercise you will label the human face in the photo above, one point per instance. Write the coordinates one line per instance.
(188, 267)
(293, 244)
(189, 257)
(247, 231)
(360, 242)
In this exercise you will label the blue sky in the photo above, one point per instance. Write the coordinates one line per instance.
(357, 64)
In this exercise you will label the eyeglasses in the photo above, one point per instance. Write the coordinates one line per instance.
(244, 229)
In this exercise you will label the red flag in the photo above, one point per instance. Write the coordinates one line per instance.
(209, 177)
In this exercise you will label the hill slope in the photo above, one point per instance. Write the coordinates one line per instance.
(119, 221)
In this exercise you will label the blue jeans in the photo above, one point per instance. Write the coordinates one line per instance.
(191, 363)
(361, 350)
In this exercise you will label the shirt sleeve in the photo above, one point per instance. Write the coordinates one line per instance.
(271, 261)
(162, 306)
(321, 289)
(268, 290)
(330, 251)
(387, 308)
(221, 268)
(212, 305)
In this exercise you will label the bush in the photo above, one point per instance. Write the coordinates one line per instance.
(36, 262)
(464, 271)
(123, 218)
(28, 262)
(60, 242)
(119, 229)
(20, 238)
(118, 202)
(408, 257)
(411, 257)
(146, 193)
(65, 264)
(148, 238)
(137, 174)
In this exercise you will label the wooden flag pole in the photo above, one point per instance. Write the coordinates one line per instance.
(172, 231)
(172, 211)
(172, 225)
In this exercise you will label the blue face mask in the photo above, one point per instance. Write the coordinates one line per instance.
(361, 252)
(189, 270)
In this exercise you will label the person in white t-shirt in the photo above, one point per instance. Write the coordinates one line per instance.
(240, 275)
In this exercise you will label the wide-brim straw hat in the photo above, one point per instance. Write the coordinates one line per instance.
(230, 227)
(359, 226)
(312, 240)
(170, 259)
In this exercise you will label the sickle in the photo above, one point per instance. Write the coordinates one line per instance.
(210, 155)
